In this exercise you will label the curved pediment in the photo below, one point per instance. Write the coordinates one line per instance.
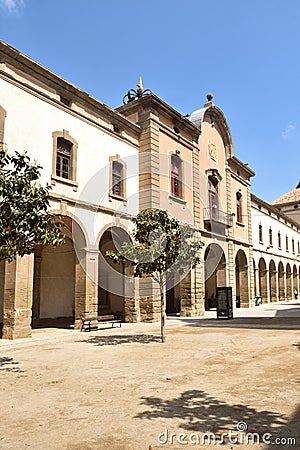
(216, 118)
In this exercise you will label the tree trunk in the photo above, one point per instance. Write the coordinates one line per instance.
(163, 313)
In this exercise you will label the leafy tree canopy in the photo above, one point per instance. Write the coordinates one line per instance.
(161, 245)
(24, 218)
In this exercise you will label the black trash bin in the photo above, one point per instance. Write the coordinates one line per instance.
(224, 303)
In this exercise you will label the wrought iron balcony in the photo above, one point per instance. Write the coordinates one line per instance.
(217, 216)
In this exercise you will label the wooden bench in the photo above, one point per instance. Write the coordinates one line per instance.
(109, 318)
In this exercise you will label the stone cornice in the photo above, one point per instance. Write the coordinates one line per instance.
(259, 202)
(22, 62)
(151, 100)
(234, 161)
(31, 90)
(88, 205)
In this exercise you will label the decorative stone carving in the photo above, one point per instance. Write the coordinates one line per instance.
(212, 150)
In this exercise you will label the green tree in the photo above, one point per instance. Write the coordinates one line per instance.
(24, 218)
(161, 246)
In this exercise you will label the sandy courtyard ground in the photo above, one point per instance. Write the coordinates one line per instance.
(122, 389)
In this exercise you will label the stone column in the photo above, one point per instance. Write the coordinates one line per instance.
(37, 284)
(276, 286)
(149, 300)
(244, 286)
(199, 288)
(264, 285)
(131, 300)
(252, 279)
(86, 285)
(186, 296)
(284, 286)
(18, 294)
(256, 282)
(273, 286)
(281, 283)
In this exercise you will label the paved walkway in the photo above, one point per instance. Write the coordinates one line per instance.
(285, 315)
(120, 389)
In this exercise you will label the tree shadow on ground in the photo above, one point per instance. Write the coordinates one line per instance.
(198, 411)
(297, 344)
(286, 432)
(121, 339)
(9, 365)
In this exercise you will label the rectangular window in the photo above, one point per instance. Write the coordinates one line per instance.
(176, 183)
(293, 246)
(63, 158)
(270, 237)
(239, 207)
(213, 198)
(279, 240)
(287, 243)
(260, 233)
(117, 178)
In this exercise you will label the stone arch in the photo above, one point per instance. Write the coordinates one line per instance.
(241, 279)
(215, 272)
(55, 268)
(74, 227)
(272, 281)
(112, 225)
(281, 287)
(178, 294)
(288, 275)
(263, 283)
(112, 278)
(295, 279)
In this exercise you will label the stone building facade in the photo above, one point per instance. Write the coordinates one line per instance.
(276, 252)
(104, 166)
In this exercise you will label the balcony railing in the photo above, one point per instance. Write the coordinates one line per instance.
(217, 216)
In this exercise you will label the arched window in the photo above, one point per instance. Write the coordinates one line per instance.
(176, 176)
(239, 216)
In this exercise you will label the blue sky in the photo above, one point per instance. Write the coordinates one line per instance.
(245, 52)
